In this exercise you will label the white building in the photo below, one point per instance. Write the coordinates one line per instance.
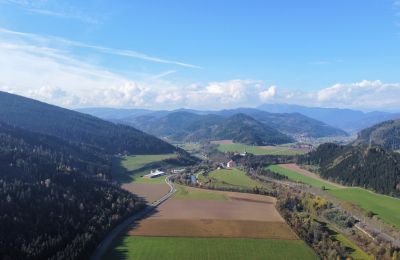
(230, 164)
(154, 174)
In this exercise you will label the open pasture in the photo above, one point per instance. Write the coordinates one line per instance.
(130, 168)
(231, 177)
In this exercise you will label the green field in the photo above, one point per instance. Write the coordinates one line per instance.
(131, 168)
(232, 177)
(183, 192)
(130, 247)
(387, 208)
(258, 150)
(293, 175)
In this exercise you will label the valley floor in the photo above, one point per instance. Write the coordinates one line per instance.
(203, 224)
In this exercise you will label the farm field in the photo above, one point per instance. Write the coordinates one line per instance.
(230, 177)
(258, 150)
(150, 192)
(385, 207)
(298, 176)
(189, 193)
(219, 225)
(129, 169)
(130, 247)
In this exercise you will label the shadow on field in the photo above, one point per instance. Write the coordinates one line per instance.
(123, 175)
(119, 249)
(333, 233)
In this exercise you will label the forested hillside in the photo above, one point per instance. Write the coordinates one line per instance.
(54, 203)
(242, 128)
(293, 124)
(74, 127)
(371, 167)
(185, 126)
(385, 134)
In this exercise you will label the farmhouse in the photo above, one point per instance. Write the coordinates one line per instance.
(154, 174)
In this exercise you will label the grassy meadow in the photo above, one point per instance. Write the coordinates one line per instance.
(385, 207)
(230, 177)
(130, 168)
(133, 247)
(258, 150)
(295, 176)
(188, 193)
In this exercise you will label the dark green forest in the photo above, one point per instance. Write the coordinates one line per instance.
(77, 128)
(385, 134)
(370, 167)
(54, 200)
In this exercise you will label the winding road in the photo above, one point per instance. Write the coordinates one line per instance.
(107, 241)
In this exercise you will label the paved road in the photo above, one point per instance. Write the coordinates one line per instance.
(107, 241)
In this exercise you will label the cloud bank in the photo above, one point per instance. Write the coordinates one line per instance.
(52, 75)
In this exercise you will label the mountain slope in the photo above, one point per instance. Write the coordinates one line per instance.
(78, 128)
(386, 135)
(292, 124)
(185, 126)
(242, 128)
(50, 207)
(363, 166)
(346, 119)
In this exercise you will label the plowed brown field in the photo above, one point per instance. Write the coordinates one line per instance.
(241, 215)
(213, 228)
(150, 192)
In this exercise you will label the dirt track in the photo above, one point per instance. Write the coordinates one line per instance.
(150, 192)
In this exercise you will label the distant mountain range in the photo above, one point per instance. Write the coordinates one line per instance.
(185, 126)
(77, 128)
(347, 119)
(245, 125)
(385, 134)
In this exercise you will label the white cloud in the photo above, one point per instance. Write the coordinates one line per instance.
(367, 95)
(268, 94)
(54, 9)
(35, 39)
(53, 76)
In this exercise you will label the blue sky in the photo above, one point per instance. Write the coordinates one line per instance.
(202, 54)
